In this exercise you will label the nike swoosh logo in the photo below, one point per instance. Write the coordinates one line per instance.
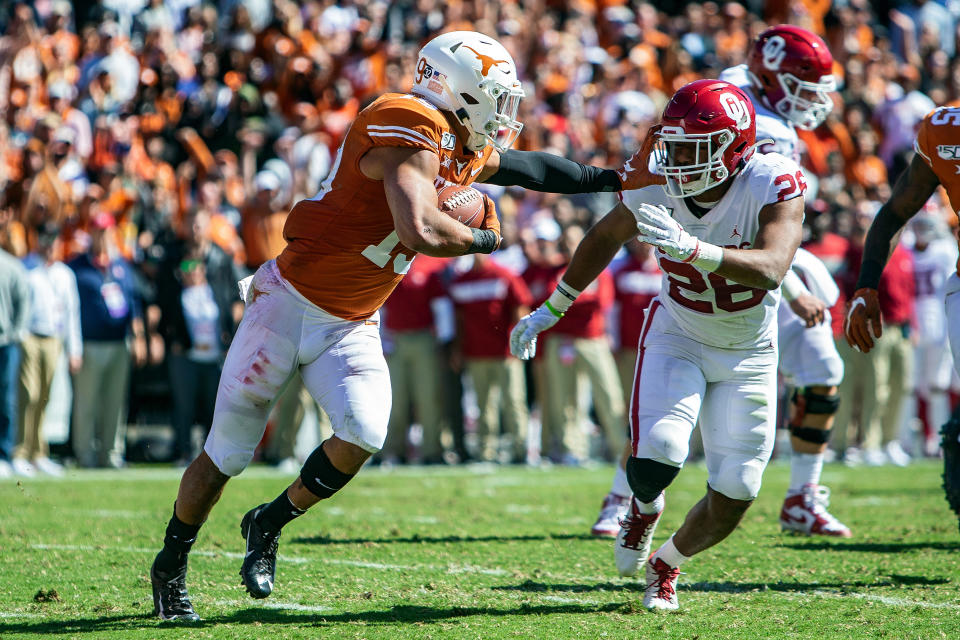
(248, 553)
(476, 171)
(317, 480)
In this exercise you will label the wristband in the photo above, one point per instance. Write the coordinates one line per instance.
(484, 241)
(706, 256)
(552, 310)
(561, 298)
(792, 286)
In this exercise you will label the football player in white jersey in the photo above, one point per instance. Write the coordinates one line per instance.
(789, 78)
(727, 223)
(934, 260)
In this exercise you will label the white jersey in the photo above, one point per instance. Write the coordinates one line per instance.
(770, 124)
(931, 268)
(704, 305)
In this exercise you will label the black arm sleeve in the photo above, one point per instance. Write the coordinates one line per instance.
(541, 171)
(881, 238)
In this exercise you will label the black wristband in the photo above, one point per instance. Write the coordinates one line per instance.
(484, 241)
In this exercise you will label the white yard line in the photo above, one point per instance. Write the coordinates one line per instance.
(272, 604)
(206, 554)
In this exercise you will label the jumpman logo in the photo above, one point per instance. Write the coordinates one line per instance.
(485, 61)
(736, 234)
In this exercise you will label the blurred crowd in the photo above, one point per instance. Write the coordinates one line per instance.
(150, 152)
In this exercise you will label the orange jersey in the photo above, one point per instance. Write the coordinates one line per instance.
(343, 253)
(938, 143)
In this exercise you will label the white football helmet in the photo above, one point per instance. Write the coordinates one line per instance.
(474, 77)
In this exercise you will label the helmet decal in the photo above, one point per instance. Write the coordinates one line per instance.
(736, 110)
(487, 61)
(774, 51)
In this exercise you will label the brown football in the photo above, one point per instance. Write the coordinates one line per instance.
(463, 204)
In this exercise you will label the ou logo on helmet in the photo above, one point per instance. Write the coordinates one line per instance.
(736, 109)
(774, 51)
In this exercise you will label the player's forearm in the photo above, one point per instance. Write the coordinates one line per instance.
(435, 234)
(755, 268)
(592, 256)
(880, 242)
(539, 171)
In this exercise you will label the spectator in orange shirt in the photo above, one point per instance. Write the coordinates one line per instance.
(867, 169)
(261, 224)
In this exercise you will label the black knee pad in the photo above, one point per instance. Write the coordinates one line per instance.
(817, 403)
(810, 434)
(320, 477)
(648, 477)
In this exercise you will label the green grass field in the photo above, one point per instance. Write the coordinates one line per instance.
(477, 553)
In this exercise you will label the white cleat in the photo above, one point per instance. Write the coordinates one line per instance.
(661, 590)
(805, 511)
(613, 510)
(633, 540)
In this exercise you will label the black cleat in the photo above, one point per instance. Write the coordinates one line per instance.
(170, 599)
(260, 562)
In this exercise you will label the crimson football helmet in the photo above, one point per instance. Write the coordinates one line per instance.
(708, 132)
(792, 70)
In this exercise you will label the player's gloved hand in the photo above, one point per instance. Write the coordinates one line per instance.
(635, 173)
(811, 309)
(490, 219)
(658, 228)
(523, 338)
(862, 325)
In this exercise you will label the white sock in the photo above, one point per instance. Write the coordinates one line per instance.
(669, 554)
(805, 468)
(648, 508)
(620, 485)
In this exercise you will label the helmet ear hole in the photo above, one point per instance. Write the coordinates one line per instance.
(469, 99)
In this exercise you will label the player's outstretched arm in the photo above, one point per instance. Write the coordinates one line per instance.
(407, 176)
(593, 254)
(540, 171)
(911, 191)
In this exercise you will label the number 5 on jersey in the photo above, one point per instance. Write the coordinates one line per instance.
(379, 254)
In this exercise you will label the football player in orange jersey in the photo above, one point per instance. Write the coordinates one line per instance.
(936, 163)
(313, 310)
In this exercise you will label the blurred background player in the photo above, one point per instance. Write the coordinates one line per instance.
(488, 299)
(789, 78)
(934, 259)
(707, 350)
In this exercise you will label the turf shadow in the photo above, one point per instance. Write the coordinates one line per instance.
(45, 629)
(418, 539)
(396, 614)
(531, 586)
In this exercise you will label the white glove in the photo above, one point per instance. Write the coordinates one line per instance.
(523, 338)
(658, 228)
